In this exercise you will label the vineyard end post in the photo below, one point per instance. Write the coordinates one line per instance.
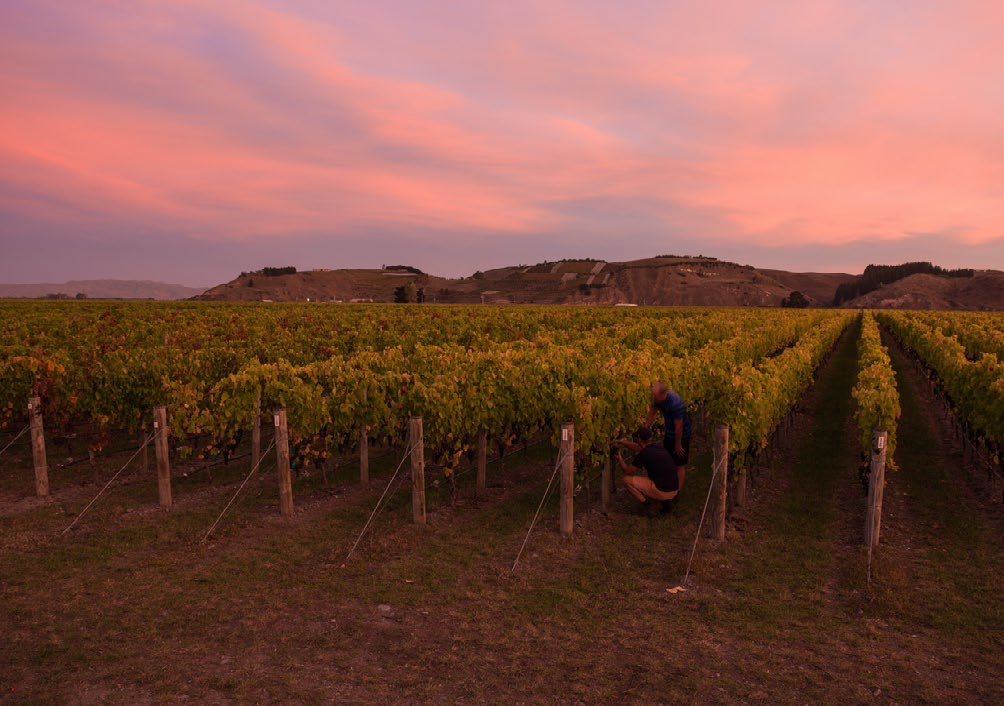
(282, 453)
(876, 487)
(160, 434)
(38, 447)
(567, 456)
(417, 471)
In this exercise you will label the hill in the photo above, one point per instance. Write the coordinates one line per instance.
(659, 281)
(819, 287)
(101, 289)
(654, 281)
(984, 291)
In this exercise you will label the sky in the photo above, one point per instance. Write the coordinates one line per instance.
(186, 142)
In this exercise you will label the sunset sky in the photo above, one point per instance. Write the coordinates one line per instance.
(188, 141)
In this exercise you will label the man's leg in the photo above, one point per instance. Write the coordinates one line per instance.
(632, 483)
(642, 488)
(681, 462)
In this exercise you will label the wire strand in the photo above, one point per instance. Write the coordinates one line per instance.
(404, 458)
(557, 465)
(108, 484)
(20, 434)
(700, 524)
(254, 468)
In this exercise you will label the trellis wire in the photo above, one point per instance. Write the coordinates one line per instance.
(404, 458)
(19, 435)
(557, 465)
(246, 479)
(108, 484)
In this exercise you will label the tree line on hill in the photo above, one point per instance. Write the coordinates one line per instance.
(876, 276)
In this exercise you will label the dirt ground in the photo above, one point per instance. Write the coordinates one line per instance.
(131, 606)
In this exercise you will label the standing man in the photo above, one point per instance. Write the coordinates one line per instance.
(677, 422)
(660, 481)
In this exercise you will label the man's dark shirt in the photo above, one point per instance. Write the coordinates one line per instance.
(673, 408)
(656, 460)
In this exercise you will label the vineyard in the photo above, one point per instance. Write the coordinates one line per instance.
(509, 374)
(350, 375)
(349, 381)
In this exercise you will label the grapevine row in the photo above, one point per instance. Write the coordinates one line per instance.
(875, 393)
(480, 376)
(978, 332)
(975, 388)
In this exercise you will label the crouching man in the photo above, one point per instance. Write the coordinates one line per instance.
(652, 475)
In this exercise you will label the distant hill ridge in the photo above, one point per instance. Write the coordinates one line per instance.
(661, 281)
(101, 289)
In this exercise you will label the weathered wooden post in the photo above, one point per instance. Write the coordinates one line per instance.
(144, 449)
(720, 475)
(482, 481)
(256, 434)
(606, 481)
(741, 487)
(364, 449)
(417, 471)
(567, 456)
(876, 488)
(364, 455)
(282, 453)
(160, 433)
(38, 446)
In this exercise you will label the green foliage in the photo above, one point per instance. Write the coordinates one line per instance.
(406, 293)
(795, 300)
(512, 372)
(972, 379)
(277, 271)
(875, 392)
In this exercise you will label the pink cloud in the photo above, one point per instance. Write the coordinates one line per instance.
(783, 123)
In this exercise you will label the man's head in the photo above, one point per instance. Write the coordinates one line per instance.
(642, 435)
(659, 391)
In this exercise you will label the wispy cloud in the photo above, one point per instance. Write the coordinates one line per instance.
(538, 128)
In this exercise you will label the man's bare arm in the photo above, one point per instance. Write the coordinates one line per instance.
(651, 417)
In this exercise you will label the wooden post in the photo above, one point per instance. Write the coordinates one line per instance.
(160, 433)
(364, 449)
(282, 453)
(38, 447)
(482, 482)
(567, 455)
(144, 449)
(256, 434)
(876, 488)
(720, 475)
(364, 456)
(741, 487)
(417, 471)
(606, 481)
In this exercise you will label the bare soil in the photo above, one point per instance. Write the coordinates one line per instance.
(132, 607)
